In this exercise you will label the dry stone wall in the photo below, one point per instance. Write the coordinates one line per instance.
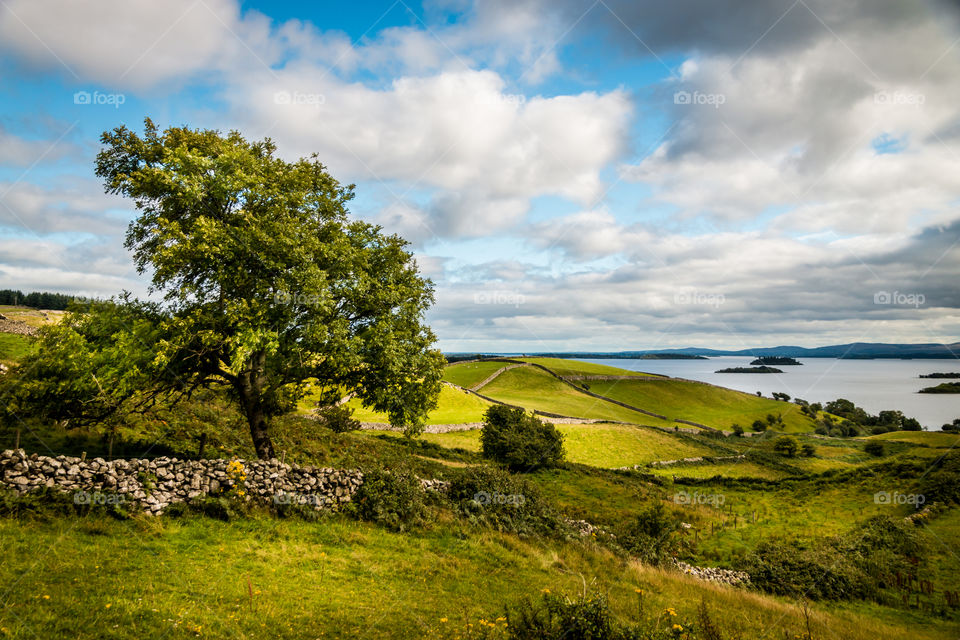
(155, 484)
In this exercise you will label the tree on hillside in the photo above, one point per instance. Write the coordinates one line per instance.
(786, 446)
(519, 440)
(266, 285)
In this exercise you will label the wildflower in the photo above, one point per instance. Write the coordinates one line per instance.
(547, 591)
(443, 619)
(677, 627)
(638, 590)
(108, 605)
(46, 597)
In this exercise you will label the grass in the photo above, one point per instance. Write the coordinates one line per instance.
(467, 374)
(165, 578)
(572, 368)
(597, 445)
(453, 407)
(13, 347)
(713, 406)
(30, 316)
(535, 389)
(927, 438)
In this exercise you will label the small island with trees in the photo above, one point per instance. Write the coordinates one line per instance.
(942, 375)
(749, 370)
(943, 387)
(776, 360)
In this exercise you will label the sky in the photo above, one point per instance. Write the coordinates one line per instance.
(572, 175)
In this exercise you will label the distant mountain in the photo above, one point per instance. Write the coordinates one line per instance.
(855, 350)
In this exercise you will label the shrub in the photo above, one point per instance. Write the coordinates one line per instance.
(337, 418)
(491, 497)
(559, 618)
(652, 536)
(808, 451)
(942, 484)
(759, 425)
(520, 441)
(791, 570)
(786, 446)
(392, 498)
(874, 448)
(737, 430)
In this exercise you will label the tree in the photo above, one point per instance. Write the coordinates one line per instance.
(808, 451)
(518, 440)
(786, 446)
(266, 284)
(874, 448)
(759, 425)
(737, 430)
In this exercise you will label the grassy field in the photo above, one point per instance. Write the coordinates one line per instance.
(189, 578)
(467, 374)
(535, 389)
(453, 407)
(573, 368)
(927, 438)
(597, 445)
(13, 347)
(713, 406)
(32, 317)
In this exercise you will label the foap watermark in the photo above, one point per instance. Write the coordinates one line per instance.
(897, 498)
(299, 299)
(312, 499)
(98, 498)
(685, 497)
(100, 99)
(906, 98)
(699, 298)
(299, 98)
(899, 299)
(487, 498)
(510, 298)
(697, 98)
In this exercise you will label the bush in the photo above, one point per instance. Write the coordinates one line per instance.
(337, 418)
(520, 441)
(392, 498)
(808, 451)
(559, 618)
(491, 497)
(942, 484)
(759, 425)
(786, 446)
(791, 570)
(874, 448)
(652, 536)
(737, 430)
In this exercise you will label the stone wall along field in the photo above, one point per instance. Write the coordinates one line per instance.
(155, 484)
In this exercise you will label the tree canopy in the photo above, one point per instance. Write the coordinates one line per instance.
(266, 284)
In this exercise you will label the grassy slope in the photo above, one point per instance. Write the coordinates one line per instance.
(189, 578)
(598, 445)
(467, 374)
(713, 406)
(535, 389)
(928, 438)
(453, 407)
(13, 347)
(565, 367)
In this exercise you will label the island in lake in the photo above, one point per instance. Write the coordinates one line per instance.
(750, 370)
(943, 387)
(671, 356)
(776, 360)
(952, 374)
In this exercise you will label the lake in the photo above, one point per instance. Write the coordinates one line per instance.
(875, 385)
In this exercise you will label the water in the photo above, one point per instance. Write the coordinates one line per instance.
(875, 385)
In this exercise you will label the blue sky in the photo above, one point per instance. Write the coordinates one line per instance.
(572, 175)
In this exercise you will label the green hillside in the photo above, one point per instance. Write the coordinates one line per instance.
(534, 388)
(467, 374)
(713, 406)
(573, 368)
(453, 407)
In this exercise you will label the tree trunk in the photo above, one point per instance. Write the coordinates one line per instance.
(250, 388)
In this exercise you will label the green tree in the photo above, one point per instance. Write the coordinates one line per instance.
(518, 440)
(786, 446)
(808, 451)
(266, 284)
(874, 448)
